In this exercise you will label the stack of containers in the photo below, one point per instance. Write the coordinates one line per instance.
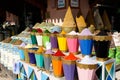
(47, 57)
(46, 37)
(62, 42)
(31, 54)
(7, 40)
(53, 37)
(33, 38)
(39, 57)
(21, 51)
(27, 59)
(53, 41)
(86, 65)
(86, 42)
(6, 55)
(100, 40)
(57, 64)
(39, 37)
(69, 67)
(86, 68)
(72, 42)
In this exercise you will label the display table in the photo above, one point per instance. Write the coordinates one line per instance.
(28, 71)
(105, 71)
(9, 55)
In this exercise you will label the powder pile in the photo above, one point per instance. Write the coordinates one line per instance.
(58, 53)
(70, 57)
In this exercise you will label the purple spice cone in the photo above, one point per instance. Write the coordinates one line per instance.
(53, 41)
(69, 71)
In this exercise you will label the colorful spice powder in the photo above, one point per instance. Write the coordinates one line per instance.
(86, 32)
(46, 31)
(63, 32)
(70, 57)
(40, 50)
(29, 46)
(55, 32)
(23, 44)
(58, 53)
(34, 30)
(39, 30)
(49, 52)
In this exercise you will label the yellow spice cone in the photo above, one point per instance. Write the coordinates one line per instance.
(81, 24)
(69, 23)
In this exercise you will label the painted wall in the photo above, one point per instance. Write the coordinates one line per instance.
(60, 13)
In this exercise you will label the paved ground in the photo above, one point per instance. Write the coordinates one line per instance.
(5, 74)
